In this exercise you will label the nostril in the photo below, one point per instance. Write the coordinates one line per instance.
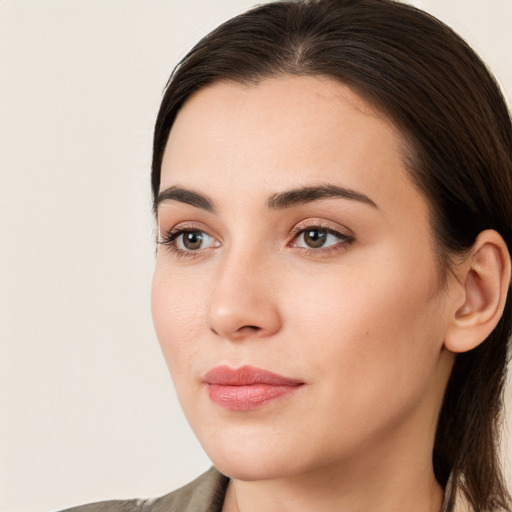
(251, 327)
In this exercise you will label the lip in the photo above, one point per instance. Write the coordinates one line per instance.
(247, 387)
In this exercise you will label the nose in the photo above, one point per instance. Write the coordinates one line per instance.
(243, 303)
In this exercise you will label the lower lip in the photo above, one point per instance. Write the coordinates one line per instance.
(245, 398)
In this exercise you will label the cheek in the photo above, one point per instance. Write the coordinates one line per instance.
(378, 334)
(177, 316)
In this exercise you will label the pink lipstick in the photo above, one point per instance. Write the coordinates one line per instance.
(246, 388)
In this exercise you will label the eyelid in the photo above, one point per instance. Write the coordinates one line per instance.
(184, 226)
(333, 228)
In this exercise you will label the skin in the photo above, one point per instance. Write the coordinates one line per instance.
(360, 321)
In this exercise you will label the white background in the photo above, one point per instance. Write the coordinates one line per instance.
(87, 410)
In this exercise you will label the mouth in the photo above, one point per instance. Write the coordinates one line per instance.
(247, 387)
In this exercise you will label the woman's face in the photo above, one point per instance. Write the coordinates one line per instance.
(296, 294)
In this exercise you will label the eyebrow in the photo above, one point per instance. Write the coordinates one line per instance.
(187, 196)
(308, 194)
(279, 201)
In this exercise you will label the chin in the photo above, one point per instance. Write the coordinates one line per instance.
(245, 455)
(256, 468)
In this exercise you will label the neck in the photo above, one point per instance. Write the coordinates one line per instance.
(354, 492)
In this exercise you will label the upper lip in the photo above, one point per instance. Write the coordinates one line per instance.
(246, 376)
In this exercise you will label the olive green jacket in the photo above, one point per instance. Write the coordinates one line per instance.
(205, 494)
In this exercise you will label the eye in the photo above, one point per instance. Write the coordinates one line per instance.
(186, 242)
(193, 240)
(315, 238)
(318, 237)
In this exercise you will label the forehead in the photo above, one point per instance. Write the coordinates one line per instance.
(285, 132)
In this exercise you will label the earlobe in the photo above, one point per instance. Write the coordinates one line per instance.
(485, 280)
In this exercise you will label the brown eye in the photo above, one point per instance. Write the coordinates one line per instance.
(192, 240)
(188, 242)
(315, 238)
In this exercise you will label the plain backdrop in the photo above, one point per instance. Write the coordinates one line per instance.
(87, 410)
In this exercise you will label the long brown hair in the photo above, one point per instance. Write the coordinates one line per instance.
(432, 85)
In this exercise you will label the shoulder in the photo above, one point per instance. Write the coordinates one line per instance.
(204, 494)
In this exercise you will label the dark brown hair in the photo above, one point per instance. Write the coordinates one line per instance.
(432, 85)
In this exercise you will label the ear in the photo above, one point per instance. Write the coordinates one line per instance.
(484, 280)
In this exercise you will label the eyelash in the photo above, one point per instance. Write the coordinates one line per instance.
(170, 240)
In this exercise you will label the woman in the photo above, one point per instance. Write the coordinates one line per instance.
(332, 186)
